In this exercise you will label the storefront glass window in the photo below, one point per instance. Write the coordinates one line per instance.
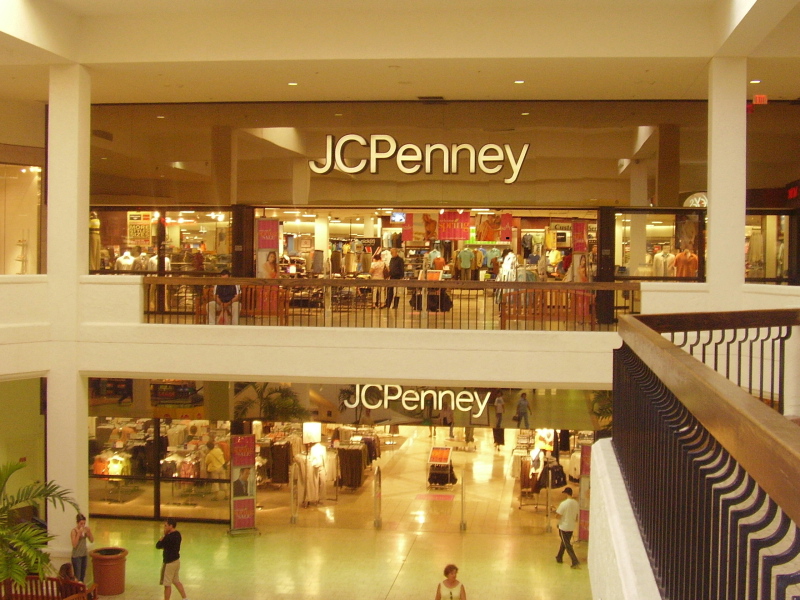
(766, 247)
(20, 204)
(663, 245)
(123, 240)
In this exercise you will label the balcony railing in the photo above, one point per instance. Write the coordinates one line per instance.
(415, 304)
(712, 472)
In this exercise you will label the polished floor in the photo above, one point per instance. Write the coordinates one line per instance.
(504, 549)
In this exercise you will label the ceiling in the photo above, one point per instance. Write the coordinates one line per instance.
(250, 50)
(576, 78)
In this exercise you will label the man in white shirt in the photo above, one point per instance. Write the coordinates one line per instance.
(499, 407)
(568, 513)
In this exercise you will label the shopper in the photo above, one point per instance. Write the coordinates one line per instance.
(79, 534)
(568, 513)
(397, 270)
(215, 467)
(68, 584)
(499, 407)
(377, 270)
(170, 544)
(447, 417)
(224, 308)
(522, 411)
(451, 588)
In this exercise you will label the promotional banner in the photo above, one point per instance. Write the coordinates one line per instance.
(243, 482)
(494, 227)
(139, 228)
(268, 232)
(454, 225)
(506, 227)
(580, 237)
(420, 227)
(584, 496)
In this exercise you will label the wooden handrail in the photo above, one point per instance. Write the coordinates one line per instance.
(451, 284)
(763, 442)
(742, 319)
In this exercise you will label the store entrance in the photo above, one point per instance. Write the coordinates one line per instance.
(424, 471)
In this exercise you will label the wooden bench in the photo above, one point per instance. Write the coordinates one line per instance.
(49, 588)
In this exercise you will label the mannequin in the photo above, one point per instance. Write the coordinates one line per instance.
(664, 263)
(686, 263)
(553, 258)
(152, 263)
(94, 241)
(141, 262)
(125, 262)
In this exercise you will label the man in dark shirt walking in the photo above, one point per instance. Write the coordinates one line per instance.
(170, 543)
(397, 270)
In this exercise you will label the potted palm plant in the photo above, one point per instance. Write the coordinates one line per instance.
(23, 543)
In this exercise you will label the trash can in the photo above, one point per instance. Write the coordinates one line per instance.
(108, 566)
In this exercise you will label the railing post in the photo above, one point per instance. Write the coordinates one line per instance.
(328, 306)
(463, 524)
(376, 498)
(293, 493)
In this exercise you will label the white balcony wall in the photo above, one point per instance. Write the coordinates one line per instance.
(24, 326)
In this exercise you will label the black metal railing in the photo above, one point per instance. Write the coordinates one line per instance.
(746, 347)
(712, 473)
(410, 304)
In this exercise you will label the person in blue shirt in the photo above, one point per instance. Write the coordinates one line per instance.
(522, 411)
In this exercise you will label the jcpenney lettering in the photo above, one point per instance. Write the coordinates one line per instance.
(410, 158)
(465, 400)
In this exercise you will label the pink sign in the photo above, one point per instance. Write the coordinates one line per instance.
(243, 469)
(267, 233)
(580, 239)
(243, 515)
(506, 226)
(408, 228)
(454, 226)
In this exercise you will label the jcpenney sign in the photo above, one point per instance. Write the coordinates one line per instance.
(411, 158)
(417, 399)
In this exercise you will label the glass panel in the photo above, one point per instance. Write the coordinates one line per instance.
(192, 234)
(123, 241)
(20, 203)
(121, 496)
(661, 245)
(766, 246)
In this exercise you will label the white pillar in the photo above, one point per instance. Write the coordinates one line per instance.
(727, 165)
(67, 259)
(638, 224)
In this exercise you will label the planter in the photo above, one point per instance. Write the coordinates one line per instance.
(108, 565)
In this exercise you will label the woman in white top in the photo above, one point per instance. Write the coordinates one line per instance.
(376, 271)
(451, 588)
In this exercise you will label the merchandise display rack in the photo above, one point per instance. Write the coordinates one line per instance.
(440, 467)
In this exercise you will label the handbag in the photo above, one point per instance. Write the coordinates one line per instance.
(515, 418)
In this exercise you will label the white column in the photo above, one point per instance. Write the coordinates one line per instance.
(67, 259)
(727, 165)
(638, 224)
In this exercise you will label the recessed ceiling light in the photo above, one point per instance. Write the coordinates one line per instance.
(337, 115)
(520, 81)
(292, 83)
(160, 117)
(755, 81)
(525, 114)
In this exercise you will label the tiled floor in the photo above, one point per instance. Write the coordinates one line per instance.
(334, 551)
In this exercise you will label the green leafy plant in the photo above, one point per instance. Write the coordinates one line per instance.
(23, 544)
(277, 403)
(603, 409)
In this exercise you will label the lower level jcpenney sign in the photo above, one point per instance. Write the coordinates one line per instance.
(413, 399)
